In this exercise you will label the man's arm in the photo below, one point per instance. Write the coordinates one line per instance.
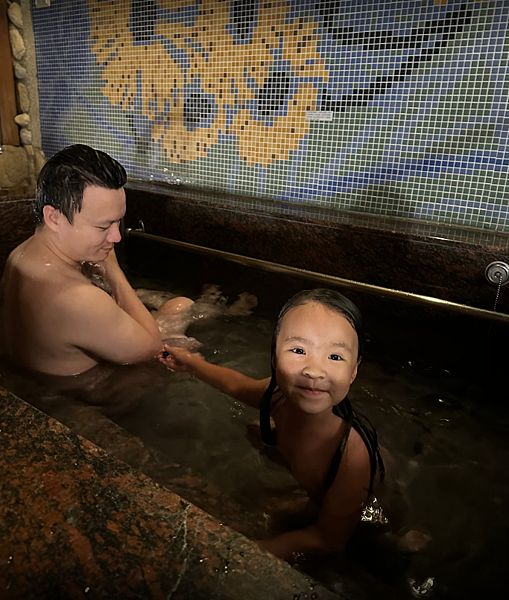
(92, 321)
(127, 299)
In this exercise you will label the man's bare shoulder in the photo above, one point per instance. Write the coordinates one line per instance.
(20, 249)
(17, 258)
(30, 262)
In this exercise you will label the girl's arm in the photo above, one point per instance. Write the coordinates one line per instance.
(235, 384)
(340, 514)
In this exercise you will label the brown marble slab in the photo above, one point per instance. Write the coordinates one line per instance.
(77, 523)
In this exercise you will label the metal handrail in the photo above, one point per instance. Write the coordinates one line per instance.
(323, 278)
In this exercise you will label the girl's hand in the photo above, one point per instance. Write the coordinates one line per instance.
(176, 359)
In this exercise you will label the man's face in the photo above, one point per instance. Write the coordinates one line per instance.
(95, 229)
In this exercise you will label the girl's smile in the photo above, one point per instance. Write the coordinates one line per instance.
(312, 391)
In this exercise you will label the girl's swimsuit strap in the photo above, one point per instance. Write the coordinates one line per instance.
(268, 434)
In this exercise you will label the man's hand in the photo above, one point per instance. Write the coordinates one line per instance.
(111, 269)
(105, 273)
(95, 273)
(111, 260)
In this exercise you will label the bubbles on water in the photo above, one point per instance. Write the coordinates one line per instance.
(226, 567)
(296, 557)
(173, 317)
(244, 305)
(154, 299)
(237, 409)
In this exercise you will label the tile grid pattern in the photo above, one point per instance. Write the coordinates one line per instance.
(382, 107)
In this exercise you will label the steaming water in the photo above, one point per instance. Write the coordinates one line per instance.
(450, 458)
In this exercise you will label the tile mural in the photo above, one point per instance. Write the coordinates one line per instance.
(389, 108)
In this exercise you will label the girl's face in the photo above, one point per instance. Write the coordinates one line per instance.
(316, 357)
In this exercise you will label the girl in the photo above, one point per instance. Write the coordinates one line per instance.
(331, 451)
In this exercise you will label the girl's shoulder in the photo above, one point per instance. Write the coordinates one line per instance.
(356, 452)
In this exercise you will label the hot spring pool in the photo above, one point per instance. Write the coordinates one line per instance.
(450, 449)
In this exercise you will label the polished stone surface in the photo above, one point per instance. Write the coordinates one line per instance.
(77, 523)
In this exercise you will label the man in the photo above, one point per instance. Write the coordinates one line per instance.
(52, 318)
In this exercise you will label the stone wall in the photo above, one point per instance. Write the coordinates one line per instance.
(20, 165)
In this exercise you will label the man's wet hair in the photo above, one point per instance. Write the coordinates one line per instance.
(63, 179)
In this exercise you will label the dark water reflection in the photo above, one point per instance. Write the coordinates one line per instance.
(181, 433)
(450, 452)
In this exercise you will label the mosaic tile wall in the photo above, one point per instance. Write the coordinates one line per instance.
(390, 108)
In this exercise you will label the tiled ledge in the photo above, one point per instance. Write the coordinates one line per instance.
(328, 216)
(420, 258)
(77, 523)
(435, 262)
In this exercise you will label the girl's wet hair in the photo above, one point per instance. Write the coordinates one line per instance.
(330, 299)
(336, 302)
